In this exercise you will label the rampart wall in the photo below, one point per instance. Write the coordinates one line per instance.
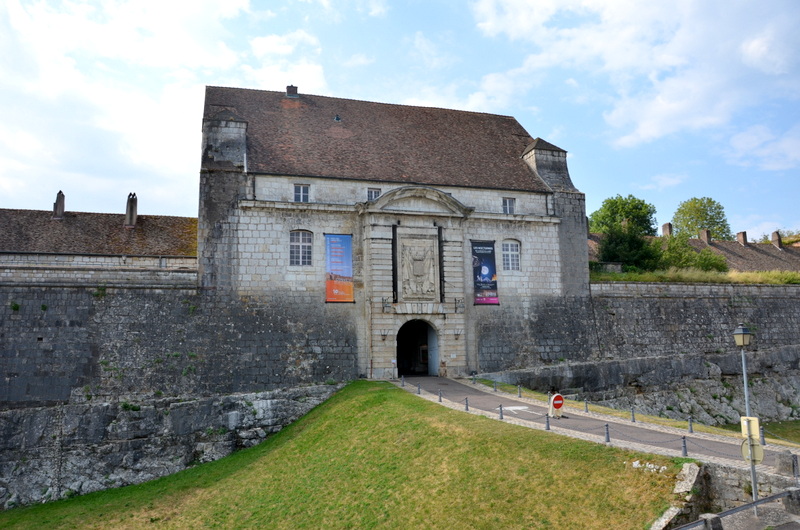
(109, 376)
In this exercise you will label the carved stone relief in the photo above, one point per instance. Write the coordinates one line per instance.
(418, 272)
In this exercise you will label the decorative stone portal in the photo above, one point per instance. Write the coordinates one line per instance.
(417, 349)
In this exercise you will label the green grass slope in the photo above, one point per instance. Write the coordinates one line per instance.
(375, 456)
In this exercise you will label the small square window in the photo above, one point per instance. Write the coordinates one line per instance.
(509, 205)
(373, 193)
(301, 192)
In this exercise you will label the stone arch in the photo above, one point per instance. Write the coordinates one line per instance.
(417, 348)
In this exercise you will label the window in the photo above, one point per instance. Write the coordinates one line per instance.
(510, 256)
(509, 205)
(301, 193)
(373, 193)
(300, 247)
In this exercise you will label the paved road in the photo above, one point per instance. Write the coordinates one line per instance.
(591, 426)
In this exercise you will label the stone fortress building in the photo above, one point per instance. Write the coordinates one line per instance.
(339, 239)
(415, 227)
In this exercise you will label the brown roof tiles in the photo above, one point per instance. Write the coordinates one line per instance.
(342, 138)
(96, 233)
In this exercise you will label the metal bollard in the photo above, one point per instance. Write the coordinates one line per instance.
(519, 391)
(691, 427)
(501, 411)
(633, 415)
(419, 388)
(608, 436)
(495, 386)
(684, 452)
(402, 380)
(547, 422)
(473, 379)
(585, 405)
(466, 404)
(761, 435)
(440, 395)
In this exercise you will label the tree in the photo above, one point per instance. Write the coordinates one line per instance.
(638, 215)
(676, 252)
(696, 214)
(624, 244)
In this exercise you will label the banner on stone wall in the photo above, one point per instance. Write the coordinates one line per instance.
(484, 273)
(339, 268)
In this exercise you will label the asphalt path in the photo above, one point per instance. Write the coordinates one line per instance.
(589, 426)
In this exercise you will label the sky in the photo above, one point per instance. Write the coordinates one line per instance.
(661, 100)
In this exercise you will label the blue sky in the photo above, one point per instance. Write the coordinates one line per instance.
(662, 100)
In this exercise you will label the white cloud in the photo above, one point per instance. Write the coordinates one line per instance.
(429, 52)
(760, 146)
(662, 182)
(377, 8)
(308, 76)
(283, 44)
(670, 67)
(359, 59)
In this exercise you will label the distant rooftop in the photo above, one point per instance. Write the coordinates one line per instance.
(96, 233)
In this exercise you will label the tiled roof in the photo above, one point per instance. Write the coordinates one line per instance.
(745, 258)
(96, 233)
(341, 138)
(753, 256)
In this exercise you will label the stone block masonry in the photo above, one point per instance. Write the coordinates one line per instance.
(107, 386)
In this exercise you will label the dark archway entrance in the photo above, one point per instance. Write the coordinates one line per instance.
(417, 349)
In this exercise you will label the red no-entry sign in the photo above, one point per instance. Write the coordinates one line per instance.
(558, 401)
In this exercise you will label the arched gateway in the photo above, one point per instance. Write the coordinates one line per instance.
(417, 349)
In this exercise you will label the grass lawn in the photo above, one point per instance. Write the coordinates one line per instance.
(375, 456)
(786, 430)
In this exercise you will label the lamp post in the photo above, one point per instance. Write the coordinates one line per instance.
(742, 336)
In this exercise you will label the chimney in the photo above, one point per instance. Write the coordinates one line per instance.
(705, 236)
(58, 206)
(776, 239)
(666, 230)
(130, 211)
(291, 92)
(741, 237)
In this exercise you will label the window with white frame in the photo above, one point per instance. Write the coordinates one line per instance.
(300, 242)
(509, 205)
(510, 255)
(301, 192)
(373, 193)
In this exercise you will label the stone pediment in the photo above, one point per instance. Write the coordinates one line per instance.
(418, 199)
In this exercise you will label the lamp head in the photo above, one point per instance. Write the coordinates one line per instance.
(742, 336)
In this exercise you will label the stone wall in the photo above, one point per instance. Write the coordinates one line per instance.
(105, 387)
(80, 360)
(47, 453)
(664, 349)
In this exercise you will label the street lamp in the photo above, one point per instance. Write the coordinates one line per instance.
(742, 336)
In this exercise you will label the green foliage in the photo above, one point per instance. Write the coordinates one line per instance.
(635, 213)
(697, 214)
(697, 276)
(627, 246)
(129, 406)
(679, 254)
(14, 306)
(788, 237)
